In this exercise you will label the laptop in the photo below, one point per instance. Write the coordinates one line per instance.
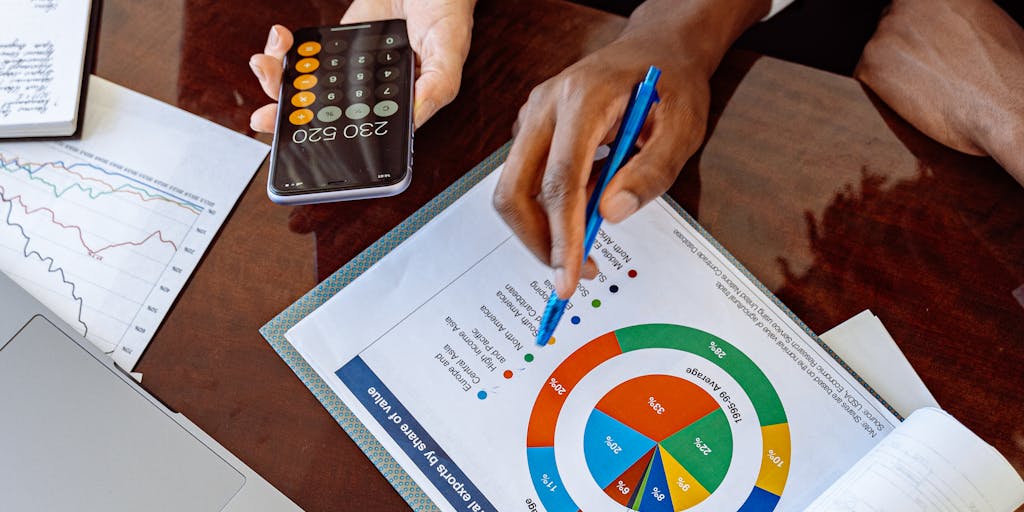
(77, 433)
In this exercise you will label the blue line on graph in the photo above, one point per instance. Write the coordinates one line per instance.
(61, 163)
(43, 259)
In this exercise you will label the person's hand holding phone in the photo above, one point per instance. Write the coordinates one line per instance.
(439, 33)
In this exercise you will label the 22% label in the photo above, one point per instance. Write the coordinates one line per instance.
(702, 447)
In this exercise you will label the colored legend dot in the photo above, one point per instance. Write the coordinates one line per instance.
(596, 303)
(614, 288)
(631, 274)
(551, 341)
(575, 320)
(508, 374)
(481, 394)
(528, 358)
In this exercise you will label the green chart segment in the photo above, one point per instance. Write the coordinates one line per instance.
(656, 442)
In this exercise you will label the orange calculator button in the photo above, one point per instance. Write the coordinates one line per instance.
(303, 99)
(309, 49)
(307, 65)
(303, 82)
(301, 116)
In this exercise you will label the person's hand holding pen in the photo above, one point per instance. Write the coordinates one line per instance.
(439, 33)
(542, 193)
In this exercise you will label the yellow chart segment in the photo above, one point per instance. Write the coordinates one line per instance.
(686, 492)
(775, 460)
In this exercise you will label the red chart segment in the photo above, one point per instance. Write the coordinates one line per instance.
(657, 406)
(621, 489)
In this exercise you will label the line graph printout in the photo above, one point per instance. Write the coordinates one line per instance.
(107, 229)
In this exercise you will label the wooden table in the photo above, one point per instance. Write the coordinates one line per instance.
(826, 196)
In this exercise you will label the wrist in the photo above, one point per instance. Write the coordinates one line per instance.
(696, 33)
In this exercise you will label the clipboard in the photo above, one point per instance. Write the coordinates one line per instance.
(274, 330)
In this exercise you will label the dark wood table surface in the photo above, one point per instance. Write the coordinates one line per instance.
(822, 192)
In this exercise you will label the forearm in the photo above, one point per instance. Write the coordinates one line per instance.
(699, 32)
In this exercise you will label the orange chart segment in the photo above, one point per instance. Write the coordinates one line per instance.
(657, 406)
(541, 430)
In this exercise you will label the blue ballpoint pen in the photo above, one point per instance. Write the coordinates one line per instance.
(632, 121)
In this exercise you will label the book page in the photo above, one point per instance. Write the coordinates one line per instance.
(106, 230)
(930, 463)
(42, 49)
(672, 383)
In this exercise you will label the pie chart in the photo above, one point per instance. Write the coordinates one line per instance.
(643, 436)
(657, 442)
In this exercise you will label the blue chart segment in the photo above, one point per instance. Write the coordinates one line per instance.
(611, 447)
(92, 241)
(654, 495)
(547, 480)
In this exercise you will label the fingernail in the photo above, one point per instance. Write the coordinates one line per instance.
(621, 205)
(273, 39)
(257, 70)
(562, 283)
(421, 109)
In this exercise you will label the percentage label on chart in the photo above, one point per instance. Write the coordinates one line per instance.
(658, 408)
(777, 460)
(546, 480)
(657, 494)
(557, 386)
(622, 488)
(612, 445)
(702, 446)
(682, 484)
(716, 350)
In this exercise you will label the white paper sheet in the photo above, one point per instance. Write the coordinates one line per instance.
(106, 230)
(930, 463)
(866, 346)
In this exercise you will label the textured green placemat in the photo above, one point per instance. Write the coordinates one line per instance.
(275, 329)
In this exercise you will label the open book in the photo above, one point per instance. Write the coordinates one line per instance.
(675, 381)
(42, 55)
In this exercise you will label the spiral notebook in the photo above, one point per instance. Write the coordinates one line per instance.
(45, 54)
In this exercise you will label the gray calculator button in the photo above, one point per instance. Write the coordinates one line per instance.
(357, 111)
(388, 74)
(329, 114)
(333, 62)
(385, 108)
(336, 46)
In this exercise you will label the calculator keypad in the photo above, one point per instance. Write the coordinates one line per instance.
(333, 85)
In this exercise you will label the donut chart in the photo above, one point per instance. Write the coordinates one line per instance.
(659, 442)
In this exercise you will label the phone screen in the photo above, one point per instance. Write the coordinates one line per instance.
(345, 116)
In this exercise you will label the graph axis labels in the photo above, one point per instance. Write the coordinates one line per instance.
(658, 442)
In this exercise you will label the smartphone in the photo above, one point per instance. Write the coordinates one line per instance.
(344, 117)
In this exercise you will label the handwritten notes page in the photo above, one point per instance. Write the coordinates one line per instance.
(929, 463)
(42, 50)
(672, 383)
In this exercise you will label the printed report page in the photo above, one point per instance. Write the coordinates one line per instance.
(672, 382)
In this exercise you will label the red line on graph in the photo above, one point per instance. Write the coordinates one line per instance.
(81, 238)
